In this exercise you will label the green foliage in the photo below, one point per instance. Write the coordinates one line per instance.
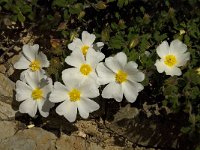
(135, 27)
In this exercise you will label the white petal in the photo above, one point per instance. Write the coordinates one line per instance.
(131, 65)
(40, 105)
(90, 104)
(160, 65)
(43, 59)
(75, 45)
(113, 90)
(68, 109)
(33, 79)
(182, 59)
(163, 49)
(23, 63)
(30, 52)
(93, 57)
(88, 38)
(75, 59)
(113, 64)
(105, 74)
(121, 58)
(177, 47)
(89, 89)
(83, 109)
(71, 77)
(28, 106)
(133, 73)
(23, 91)
(98, 46)
(130, 91)
(47, 88)
(173, 71)
(59, 93)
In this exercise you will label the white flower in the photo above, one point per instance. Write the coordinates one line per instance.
(122, 78)
(31, 60)
(172, 57)
(84, 68)
(73, 96)
(85, 43)
(34, 93)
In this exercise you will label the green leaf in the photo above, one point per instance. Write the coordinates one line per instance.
(21, 17)
(116, 42)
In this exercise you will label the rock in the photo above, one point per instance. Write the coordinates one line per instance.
(33, 139)
(6, 111)
(2, 69)
(8, 129)
(75, 143)
(7, 86)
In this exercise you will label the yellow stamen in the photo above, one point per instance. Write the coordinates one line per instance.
(35, 65)
(85, 69)
(170, 60)
(74, 95)
(121, 76)
(84, 49)
(37, 94)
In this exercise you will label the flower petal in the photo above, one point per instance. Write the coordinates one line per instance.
(75, 59)
(89, 89)
(93, 57)
(43, 59)
(89, 104)
(88, 38)
(177, 47)
(113, 64)
(28, 106)
(40, 105)
(173, 71)
(23, 63)
(105, 74)
(75, 45)
(30, 52)
(182, 59)
(130, 91)
(113, 90)
(71, 77)
(163, 49)
(160, 65)
(121, 58)
(23, 91)
(59, 93)
(68, 109)
(98, 46)
(33, 79)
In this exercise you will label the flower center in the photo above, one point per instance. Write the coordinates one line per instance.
(74, 95)
(170, 60)
(85, 69)
(84, 49)
(121, 76)
(37, 94)
(35, 65)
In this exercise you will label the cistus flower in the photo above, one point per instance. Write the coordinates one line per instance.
(31, 60)
(172, 57)
(122, 78)
(85, 43)
(83, 68)
(73, 96)
(34, 93)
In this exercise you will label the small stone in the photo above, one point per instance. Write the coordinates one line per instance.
(7, 86)
(2, 69)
